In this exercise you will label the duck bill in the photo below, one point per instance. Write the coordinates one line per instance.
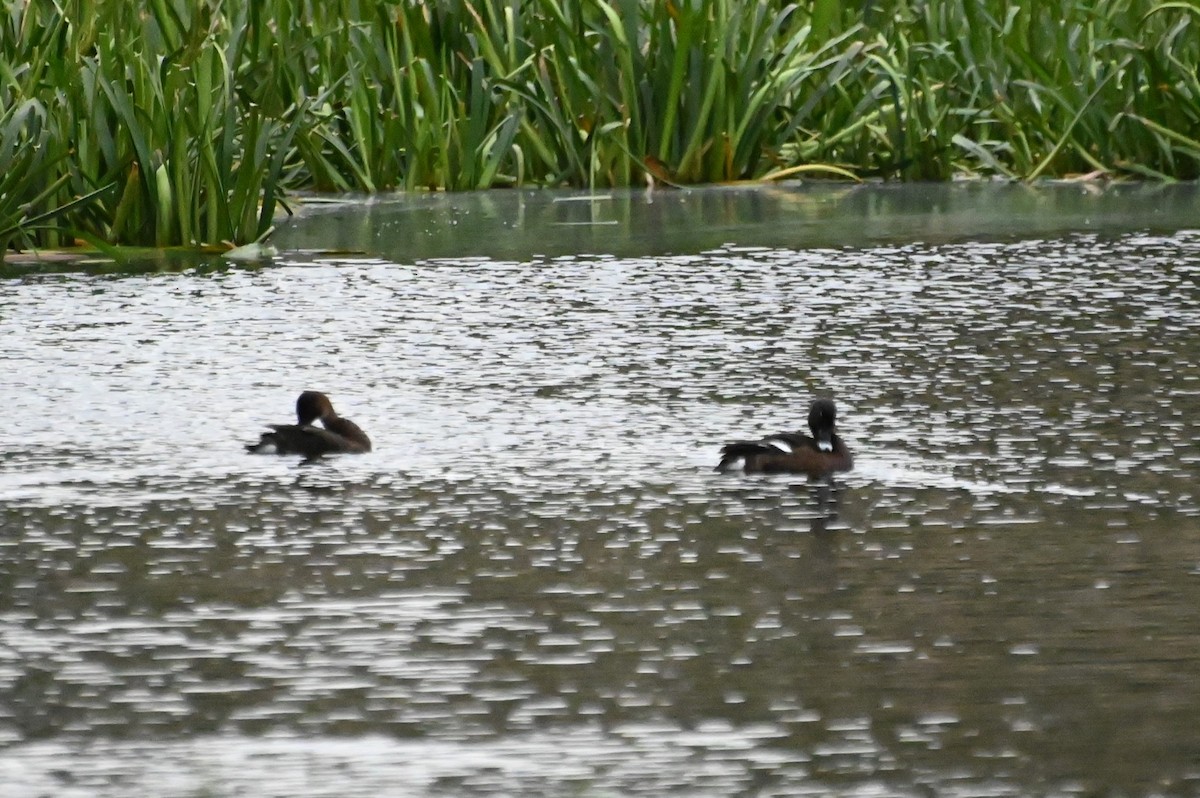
(825, 441)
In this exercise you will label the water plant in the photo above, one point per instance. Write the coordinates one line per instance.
(186, 123)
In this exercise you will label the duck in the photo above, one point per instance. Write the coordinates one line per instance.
(335, 435)
(793, 452)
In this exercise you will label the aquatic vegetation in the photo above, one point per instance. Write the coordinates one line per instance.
(181, 123)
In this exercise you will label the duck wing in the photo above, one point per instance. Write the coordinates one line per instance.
(304, 440)
(735, 455)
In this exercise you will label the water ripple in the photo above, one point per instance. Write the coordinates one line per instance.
(537, 584)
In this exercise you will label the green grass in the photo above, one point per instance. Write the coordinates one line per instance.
(191, 125)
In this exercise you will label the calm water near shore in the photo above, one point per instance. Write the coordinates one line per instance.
(536, 584)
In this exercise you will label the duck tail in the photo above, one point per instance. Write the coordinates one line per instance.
(266, 444)
(734, 455)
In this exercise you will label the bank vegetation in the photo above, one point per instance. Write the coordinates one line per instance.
(175, 122)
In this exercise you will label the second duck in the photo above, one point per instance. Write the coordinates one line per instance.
(793, 452)
(335, 435)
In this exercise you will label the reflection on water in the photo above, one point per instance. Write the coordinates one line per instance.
(522, 225)
(537, 585)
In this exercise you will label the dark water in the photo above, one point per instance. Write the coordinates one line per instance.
(536, 585)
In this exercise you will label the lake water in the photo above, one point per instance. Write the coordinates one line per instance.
(536, 585)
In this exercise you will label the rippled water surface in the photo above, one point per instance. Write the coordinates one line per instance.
(536, 585)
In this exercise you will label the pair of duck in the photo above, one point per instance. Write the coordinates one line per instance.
(822, 453)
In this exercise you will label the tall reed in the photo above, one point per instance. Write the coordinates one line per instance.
(185, 123)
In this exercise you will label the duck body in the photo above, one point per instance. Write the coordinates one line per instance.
(822, 453)
(335, 435)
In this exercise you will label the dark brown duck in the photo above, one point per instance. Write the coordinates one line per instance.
(793, 452)
(335, 435)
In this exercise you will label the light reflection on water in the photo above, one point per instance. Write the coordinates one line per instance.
(536, 584)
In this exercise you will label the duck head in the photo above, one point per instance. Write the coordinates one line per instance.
(313, 405)
(822, 417)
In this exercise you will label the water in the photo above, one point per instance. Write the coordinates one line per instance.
(536, 585)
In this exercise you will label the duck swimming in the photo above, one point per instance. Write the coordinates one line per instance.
(335, 435)
(792, 452)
